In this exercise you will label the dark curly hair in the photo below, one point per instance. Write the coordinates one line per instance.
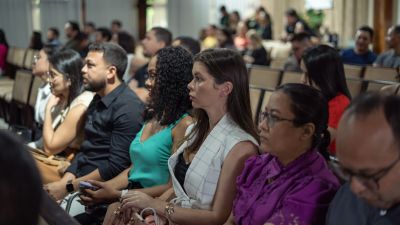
(169, 98)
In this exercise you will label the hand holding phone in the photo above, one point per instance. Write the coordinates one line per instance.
(87, 185)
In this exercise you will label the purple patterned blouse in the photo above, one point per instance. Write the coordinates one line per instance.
(300, 193)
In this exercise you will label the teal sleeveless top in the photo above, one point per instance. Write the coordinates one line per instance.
(150, 158)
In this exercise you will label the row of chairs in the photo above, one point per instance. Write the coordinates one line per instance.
(19, 88)
(264, 80)
(18, 101)
(20, 58)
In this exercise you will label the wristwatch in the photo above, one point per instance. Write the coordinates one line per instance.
(69, 186)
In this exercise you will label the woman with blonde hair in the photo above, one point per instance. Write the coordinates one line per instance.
(255, 53)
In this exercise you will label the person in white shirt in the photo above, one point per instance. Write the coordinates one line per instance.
(40, 67)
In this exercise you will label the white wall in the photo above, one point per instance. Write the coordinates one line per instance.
(15, 20)
(102, 12)
(55, 13)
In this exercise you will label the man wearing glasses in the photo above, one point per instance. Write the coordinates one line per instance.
(368, 151)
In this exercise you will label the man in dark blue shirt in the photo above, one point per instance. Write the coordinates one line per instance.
(113, 119)
(360, 54)
(368, 151)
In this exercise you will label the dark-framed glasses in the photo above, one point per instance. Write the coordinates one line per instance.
(370, 181)
(271, 118)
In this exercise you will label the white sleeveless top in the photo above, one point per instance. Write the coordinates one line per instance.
(203, 173)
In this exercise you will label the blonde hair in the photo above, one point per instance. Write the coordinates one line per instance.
(252, 35)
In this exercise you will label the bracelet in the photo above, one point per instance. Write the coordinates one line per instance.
(123, 192)
(169, 209)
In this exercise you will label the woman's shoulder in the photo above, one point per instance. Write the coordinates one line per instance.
(318, 174)
(338, 104)
(183, 124)
(83, 99)
(233, 132)
(340, 99)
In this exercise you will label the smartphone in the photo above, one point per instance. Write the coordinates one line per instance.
(87, 185)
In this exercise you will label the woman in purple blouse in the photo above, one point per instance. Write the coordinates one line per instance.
(291, 182)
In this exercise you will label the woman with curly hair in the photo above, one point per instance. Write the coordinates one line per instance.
(166, 120)
(205, 167)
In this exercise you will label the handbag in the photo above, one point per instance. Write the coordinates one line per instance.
(51, 167)
(115, 217)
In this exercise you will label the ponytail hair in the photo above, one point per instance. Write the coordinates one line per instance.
(310, 106)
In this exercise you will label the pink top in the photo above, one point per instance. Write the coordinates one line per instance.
(241, 43)
(3, 56)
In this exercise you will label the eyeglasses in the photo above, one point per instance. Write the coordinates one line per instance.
(36, 58)
(271, 119)
(369, 181)
(53, 75)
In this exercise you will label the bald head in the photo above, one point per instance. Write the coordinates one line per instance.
(368, 147)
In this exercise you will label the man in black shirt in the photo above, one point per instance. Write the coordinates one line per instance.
(113, 119)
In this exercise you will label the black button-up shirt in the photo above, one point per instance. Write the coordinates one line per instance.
(112, 123)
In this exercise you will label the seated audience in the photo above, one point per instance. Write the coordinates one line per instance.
(390, 58)
(188, 43)
(166, 120)
(255, 53)
(53, 36)
(294, 24)
(234, 19)
(241, 41)
(360, 54)
(102, 35)
(156, 39)
(40, 68)
(127, 42)
(36, 42)
(89, 28)
(264, 28)
(65, 111)
(72, 30)
(116, 26)
(20, 189)
(205, 166)
(291, 182)
(113, 119)
(210, 40)
(368, 155)
(300, 42)
(225, 39)
(323, 69)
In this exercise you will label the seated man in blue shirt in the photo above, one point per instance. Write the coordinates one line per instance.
(360, 54)
(113, 119)
(368, 150)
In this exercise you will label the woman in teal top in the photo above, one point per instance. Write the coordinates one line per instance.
(166, 119)
(150, 157)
